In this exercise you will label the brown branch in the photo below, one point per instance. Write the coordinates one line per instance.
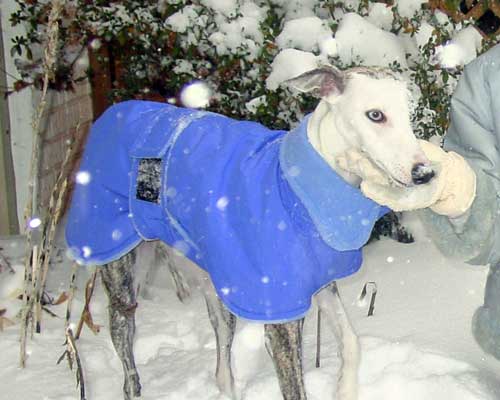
(55, 211)
(86, 316)
(73, 357)
(4, 321)
(49, 62)
(72, 289)
(4, 263)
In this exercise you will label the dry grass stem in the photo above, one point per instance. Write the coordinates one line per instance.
(73, 357)
(4, 321)
(86, 316)
(71, 296)
(4, 263)
(31, 208)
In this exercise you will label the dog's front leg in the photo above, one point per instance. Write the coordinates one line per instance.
(118, 281)
(285, 344)
(348, 344)
(224, 324)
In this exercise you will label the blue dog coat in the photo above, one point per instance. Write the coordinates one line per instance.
(259, 210)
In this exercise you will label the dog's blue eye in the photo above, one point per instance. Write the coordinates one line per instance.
(376, 116)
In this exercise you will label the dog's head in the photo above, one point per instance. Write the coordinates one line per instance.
(369, 109)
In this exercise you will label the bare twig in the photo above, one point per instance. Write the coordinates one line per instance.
(27, 311)
(73, 357)
(49, 62)
(56, 207)
(71, 353)
(318, 339)
(35, 270)
(86, 316)
(72, 289)
(364, 293)
(4, 263)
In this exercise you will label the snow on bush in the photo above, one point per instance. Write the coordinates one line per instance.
(244, 49)
(361, 42)
(289, 63)
(303, 33)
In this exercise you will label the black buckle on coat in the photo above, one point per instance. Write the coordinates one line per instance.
(149, 180)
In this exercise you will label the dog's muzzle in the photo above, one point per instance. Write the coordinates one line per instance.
(421, 174)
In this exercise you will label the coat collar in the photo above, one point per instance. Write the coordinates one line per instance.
(343, 216)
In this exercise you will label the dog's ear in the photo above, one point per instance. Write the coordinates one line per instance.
(320, 82)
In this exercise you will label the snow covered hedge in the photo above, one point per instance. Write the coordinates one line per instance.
(244, 49)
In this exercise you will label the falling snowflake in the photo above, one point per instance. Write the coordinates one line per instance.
(116, 234)
(87, 251)
(83, 178)
(294, 171)
(95, 44)
(265, 279)
(34, 222)
(282, 225)
(196, 95)
(171, 192)
(222, 203)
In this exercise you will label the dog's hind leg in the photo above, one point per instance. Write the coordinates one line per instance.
(118, 281)
(163, 255)
(224, 324)
(348, 344)
(285, 344)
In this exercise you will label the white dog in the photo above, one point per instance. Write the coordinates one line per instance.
(291, 224)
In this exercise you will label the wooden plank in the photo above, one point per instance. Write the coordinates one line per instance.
(101, 79)
(9, 224)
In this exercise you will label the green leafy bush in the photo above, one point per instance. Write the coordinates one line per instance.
(163, 45)
(231, 45)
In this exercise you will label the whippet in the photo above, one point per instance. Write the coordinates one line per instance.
(360, 108)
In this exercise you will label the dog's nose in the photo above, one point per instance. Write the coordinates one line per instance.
(421, 174)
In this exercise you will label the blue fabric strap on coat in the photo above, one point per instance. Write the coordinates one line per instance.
(258, 209)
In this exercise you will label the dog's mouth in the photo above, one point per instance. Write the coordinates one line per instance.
(392, 180)
(424, 175)
(420, 173)
(399, 183)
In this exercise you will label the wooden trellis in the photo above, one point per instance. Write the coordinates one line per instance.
(485, 13)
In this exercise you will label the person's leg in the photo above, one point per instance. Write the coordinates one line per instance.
(486, 320)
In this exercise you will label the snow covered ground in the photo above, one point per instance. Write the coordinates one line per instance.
(417, 345)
